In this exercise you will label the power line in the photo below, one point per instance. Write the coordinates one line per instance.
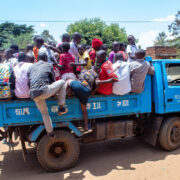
(71, 21)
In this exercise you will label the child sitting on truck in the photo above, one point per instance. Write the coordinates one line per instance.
(121, 69)
(106, 73)
(21, 78)
(139, 68)
(84, 57)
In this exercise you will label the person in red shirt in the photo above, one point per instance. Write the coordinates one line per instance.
(66, 62)
(106, 74)
(122, 51)
(96, 46)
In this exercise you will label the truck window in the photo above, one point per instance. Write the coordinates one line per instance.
(173, 74)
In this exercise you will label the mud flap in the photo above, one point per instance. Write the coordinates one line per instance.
(153, 131)
(23, 146)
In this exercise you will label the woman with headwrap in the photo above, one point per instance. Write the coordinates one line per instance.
(96, 46)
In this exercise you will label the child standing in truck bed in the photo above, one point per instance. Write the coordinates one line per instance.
(65, 61)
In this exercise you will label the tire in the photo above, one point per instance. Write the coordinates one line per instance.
(59, 153)
(169, 137)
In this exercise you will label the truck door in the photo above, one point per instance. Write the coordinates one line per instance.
(171, 72)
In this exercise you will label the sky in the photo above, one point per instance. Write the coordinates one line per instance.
(159, 12)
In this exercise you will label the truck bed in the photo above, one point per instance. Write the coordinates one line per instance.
(24, 112)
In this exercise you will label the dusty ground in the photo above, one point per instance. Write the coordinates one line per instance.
(128, 159)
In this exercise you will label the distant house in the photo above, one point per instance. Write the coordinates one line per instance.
(161, 52)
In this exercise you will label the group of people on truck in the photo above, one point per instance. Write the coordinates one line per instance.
(71, 68)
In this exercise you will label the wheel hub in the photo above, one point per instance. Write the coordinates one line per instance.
(175, 135)
(58, 150)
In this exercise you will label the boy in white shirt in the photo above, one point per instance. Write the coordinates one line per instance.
(121, 69)
(131, 49)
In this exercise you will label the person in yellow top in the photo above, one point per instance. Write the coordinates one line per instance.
(84, 57)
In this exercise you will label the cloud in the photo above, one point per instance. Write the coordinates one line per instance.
(42, 25)
(164, 19)
(146, 39)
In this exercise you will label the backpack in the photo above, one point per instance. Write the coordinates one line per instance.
(5, 85)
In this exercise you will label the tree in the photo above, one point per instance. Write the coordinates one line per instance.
(95, 28)
(175, 26)
(161, 39)
(11, 30)
(22, 40)
(47, 36)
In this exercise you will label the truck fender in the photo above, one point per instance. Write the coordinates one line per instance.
(152, 134)
(33, 136)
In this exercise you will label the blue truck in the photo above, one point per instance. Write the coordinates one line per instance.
(153, 115)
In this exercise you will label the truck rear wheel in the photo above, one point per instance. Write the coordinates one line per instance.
(169, 137)
(59, 153)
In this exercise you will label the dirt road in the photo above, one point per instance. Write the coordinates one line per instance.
(128, 159)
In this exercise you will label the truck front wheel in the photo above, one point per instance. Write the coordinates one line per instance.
(59, 153)
(169, 137)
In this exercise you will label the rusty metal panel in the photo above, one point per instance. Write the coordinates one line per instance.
(101, 131)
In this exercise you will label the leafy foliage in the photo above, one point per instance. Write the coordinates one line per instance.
(161, 39)
(95, 28)
(175, 29)
(175, 26)
(47, 36)
(22, 40)
(11, 32)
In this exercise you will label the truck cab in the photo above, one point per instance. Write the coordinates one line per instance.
(166, 86)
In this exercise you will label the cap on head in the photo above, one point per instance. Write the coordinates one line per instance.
(96, 43)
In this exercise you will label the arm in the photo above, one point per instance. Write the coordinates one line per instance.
(78, 64)
(151, 70)
(116, 68)
(52, 48)
(129, 52)
(98, 82)
(12, 81)
(131, 56)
